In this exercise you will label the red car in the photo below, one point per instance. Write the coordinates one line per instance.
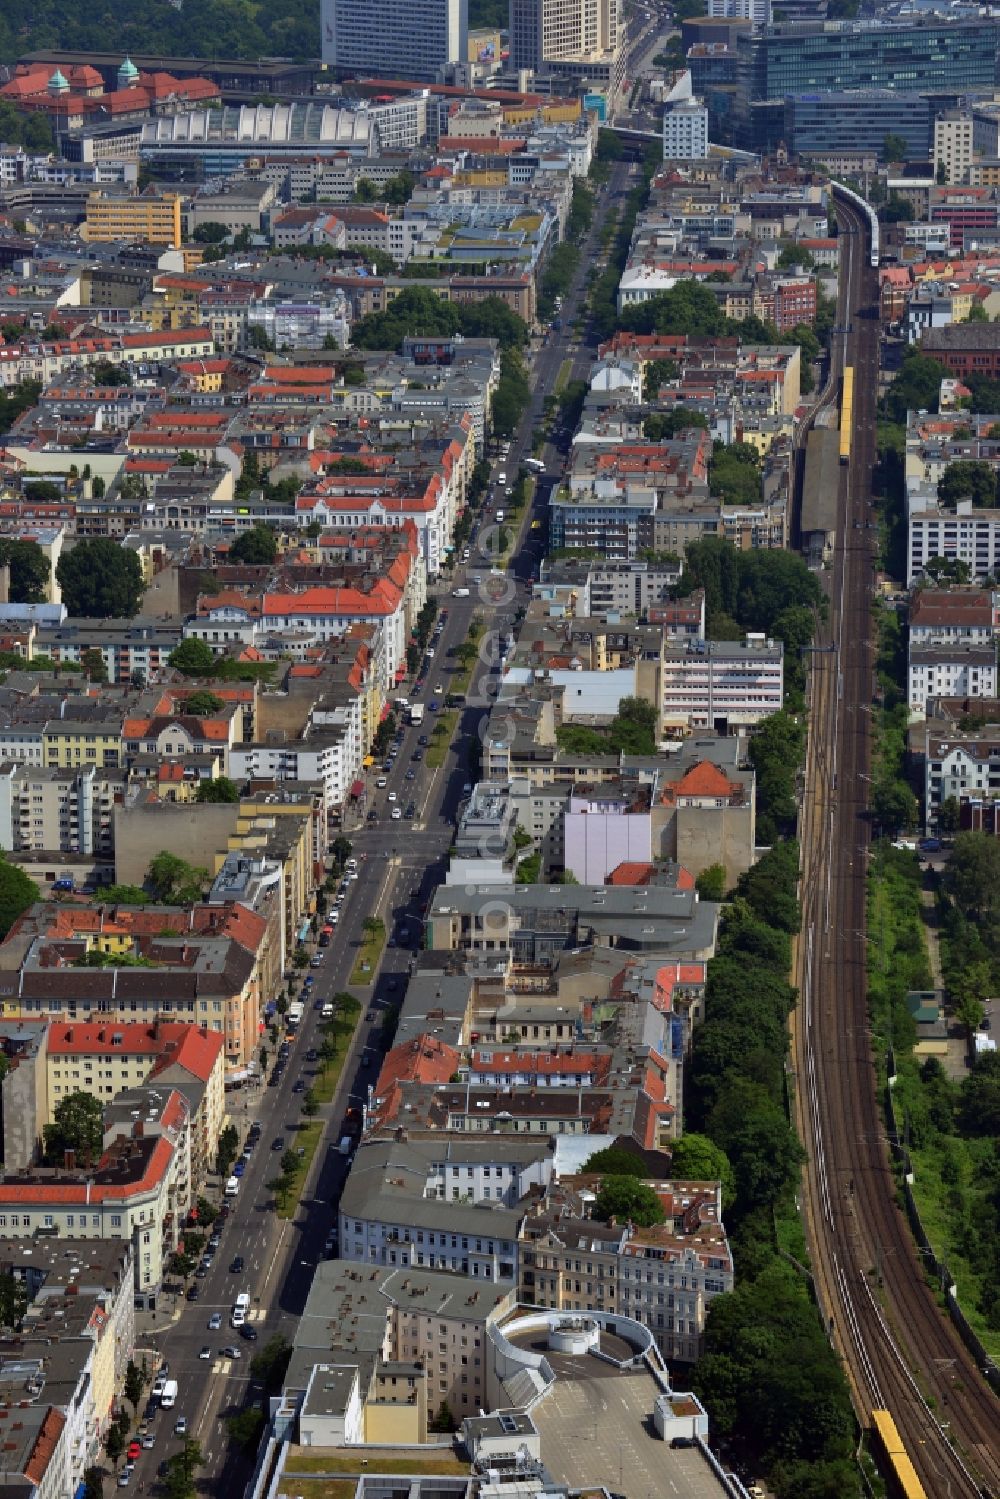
(134, 1450)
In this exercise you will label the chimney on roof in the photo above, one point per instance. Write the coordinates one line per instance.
(137, 1130)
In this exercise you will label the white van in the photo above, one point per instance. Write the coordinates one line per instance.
(241, 1309)
(233, 1187)
(501, 477)
(169, 1396)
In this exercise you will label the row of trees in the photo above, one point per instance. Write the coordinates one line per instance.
(769, 1377)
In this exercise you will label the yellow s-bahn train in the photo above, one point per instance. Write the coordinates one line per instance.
(846, 413)
(897, 1469)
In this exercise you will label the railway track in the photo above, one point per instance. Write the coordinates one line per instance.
(900, 1350)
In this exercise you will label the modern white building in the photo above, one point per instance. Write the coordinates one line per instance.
(722, 684)
(685, 131)
(965, 534)
(757, 11)
(393, 38)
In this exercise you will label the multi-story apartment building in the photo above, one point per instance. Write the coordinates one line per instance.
(105, 1059)
(388, 1221)
(132, 649)
(665, 1277)
(962, 669)
(53, 810)
(722, 684)
(962, 764)
(81, 1287)
(208, 976)
(140, 1189)
(685, 131)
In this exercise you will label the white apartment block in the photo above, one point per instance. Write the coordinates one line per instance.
(961, 670)
(391, 39)
(333, 760)
(721, 684)
(964, 535)
(953, 144)
(685, 131)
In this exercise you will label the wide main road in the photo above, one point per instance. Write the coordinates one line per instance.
(399, 863)
(900, 1351)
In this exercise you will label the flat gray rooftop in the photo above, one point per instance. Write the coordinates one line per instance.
(596, 1427)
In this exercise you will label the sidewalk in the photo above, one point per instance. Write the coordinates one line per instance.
(928, 910)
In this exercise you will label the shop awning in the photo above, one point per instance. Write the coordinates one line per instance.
(357, 788)
(385, 713)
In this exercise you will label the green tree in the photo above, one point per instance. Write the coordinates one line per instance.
(124, 895)
(100, 579)
(210, 233)
(17, 893)
(442, 1420)
(94, 666)
(662, 425)
(949, 815)
(203, 704)
(222, 789)
(13, 1302)
(972, 875)
(257, 547)
(134, 1384)
(114, 1444)
(270, 1364)
(77, 1125)
(695, 1157)
(193, 657)
(711, 882)
(174, 881)
(979, 1109)
(13, 403)
(310, 1103)
(225, 1155)
(627, 1199)
(894, 148)
(245, 1427)
(968, 480)
(29, 570)
(615, 1160)
(93, 1483)
(104, 372)
(916, 386)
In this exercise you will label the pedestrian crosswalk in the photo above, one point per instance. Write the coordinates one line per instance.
(257, 1314)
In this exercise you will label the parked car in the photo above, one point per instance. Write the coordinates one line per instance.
(134, 1450)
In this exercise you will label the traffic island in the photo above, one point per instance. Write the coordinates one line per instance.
(370, 952)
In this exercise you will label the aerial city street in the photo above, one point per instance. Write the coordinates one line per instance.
(499, 749)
